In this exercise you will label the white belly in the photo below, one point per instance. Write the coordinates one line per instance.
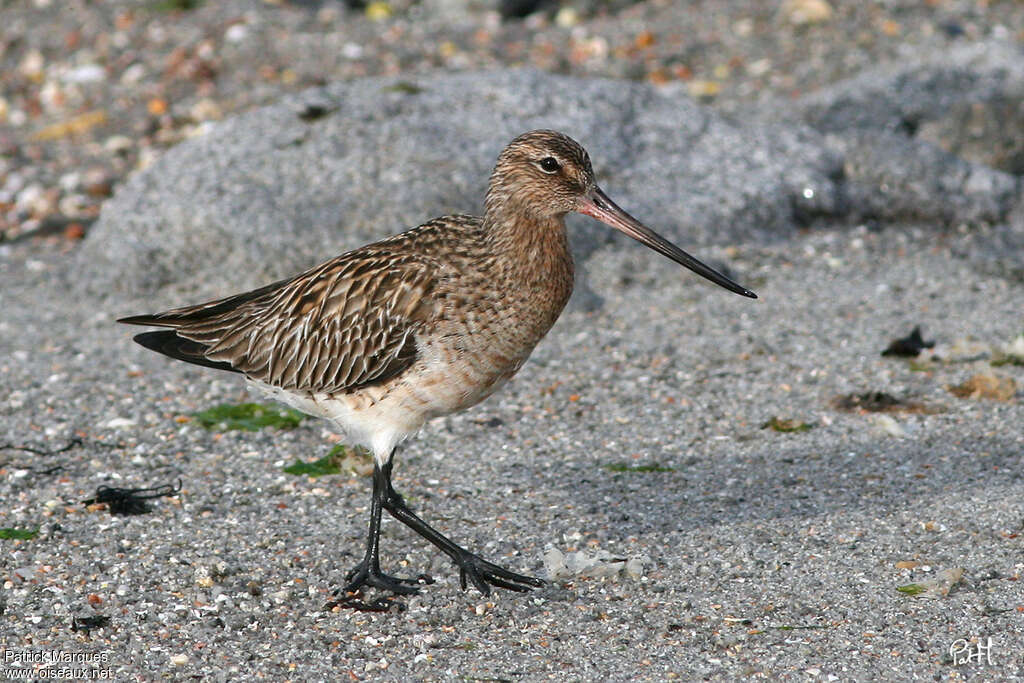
(380, 424)
(382, 416)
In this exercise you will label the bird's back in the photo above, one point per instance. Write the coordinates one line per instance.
(431, 301)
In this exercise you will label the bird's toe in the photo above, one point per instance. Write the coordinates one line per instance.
(483, 574)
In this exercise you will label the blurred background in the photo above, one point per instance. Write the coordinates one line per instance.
(90, 91)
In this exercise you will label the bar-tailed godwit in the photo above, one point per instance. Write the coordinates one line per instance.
(426, 323)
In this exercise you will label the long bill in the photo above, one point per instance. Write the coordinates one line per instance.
(598, 205)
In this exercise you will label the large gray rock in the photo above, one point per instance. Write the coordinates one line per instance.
(267, 193)
(937, 140)
(928, 88)
(894, 179)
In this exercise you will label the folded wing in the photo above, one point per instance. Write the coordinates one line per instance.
(343, 325)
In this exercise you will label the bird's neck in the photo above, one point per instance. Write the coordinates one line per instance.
(526, 238)
(533, 251)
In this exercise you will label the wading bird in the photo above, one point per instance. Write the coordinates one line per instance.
(426, 323)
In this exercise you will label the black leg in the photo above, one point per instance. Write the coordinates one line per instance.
(367, 572)
(480, 572)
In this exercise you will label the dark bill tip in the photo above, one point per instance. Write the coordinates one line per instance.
(599, 206)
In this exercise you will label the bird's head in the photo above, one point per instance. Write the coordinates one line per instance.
(540, 175)
(543, 175)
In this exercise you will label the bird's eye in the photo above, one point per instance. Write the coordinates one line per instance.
(549, 164)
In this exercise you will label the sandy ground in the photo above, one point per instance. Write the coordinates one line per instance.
(637, 431)
(763, 552)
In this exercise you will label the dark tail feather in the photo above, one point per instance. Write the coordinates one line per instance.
(145, 320)
(187, 315)
(170, 344)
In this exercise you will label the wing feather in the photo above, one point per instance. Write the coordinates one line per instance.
(345, 324)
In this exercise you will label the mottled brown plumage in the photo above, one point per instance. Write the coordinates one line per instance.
(422, 324)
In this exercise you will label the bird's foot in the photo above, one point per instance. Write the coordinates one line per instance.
(483, 574)
(363, 575)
